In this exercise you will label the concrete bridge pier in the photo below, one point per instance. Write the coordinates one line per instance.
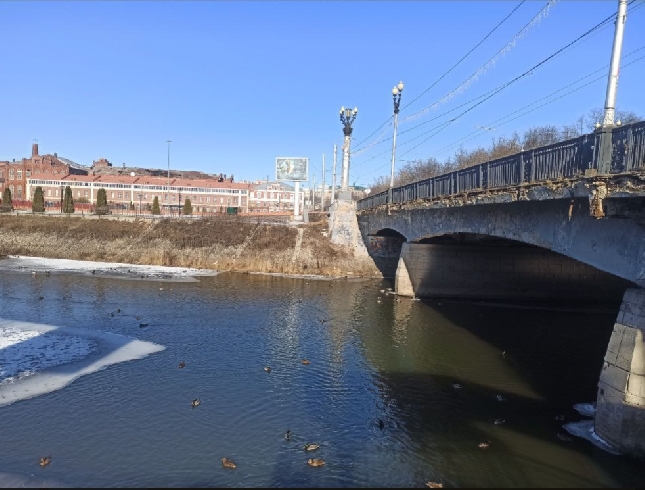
(620, 407)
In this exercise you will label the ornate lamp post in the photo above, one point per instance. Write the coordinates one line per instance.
(396, 96)
(347, 117)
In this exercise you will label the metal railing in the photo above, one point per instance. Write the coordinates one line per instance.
(568, 159)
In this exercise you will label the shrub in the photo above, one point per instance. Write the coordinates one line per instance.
(7, 204)
(68, 202)
(38, 204)
(155, 206)
(101, 202)
(188, 207)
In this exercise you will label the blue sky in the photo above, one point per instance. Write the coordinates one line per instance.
(236, 84)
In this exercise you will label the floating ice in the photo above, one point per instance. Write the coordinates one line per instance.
(586, 409)
(585, 429)
(37, 358)
(39, 265)
(23, 352)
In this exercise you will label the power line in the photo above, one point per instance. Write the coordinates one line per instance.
(482, 69)
(450, 70)
(507, 84)
(466, 55)
(501, 121)
(477, 133)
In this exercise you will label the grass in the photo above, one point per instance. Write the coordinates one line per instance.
(230, 243)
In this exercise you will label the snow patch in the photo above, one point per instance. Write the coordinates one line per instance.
(585, 429)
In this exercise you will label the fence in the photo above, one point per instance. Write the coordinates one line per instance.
(565, 160)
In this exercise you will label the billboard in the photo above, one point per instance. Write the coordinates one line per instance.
(293, 169)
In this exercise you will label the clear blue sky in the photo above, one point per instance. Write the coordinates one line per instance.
(236, 84)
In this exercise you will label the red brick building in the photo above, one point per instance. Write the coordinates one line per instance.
(14, 175)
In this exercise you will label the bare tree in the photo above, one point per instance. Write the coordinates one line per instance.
(597, 114)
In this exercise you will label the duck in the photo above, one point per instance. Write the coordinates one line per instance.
(381, 424)
(456, 386)
(311, 447)
(138, 318)
(195, 402)
(500, 398)
(499, 421)
(41, 297)
(142, 325)
(287, 435)
(267, 369)
(182, 364)
(227, 463)
(434, 484)
(483, 445)
(306, 361)
(47, 273)
(45, 460)
(315, 462)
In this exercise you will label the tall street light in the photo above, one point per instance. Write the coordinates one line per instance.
(168, 191)
(396, 96)
(347, 117)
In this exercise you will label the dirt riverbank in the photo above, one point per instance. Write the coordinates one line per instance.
(224, 244)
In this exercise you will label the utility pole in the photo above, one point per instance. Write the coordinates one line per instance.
(322, 186)
(333, 179)
(606, 128)
(612, 81)
(313, 192)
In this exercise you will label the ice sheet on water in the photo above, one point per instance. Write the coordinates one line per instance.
(37, 358)
(12, 480)
(24, 352)
(39, 265)
(585, 429)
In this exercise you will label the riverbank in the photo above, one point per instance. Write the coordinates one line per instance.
(221, 244)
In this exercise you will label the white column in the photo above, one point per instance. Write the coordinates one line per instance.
(345, 175)
(612, 82)
(296, 200)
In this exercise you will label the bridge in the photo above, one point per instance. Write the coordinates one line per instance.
(564, 222)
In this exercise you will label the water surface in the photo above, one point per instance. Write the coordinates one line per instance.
(132, 424)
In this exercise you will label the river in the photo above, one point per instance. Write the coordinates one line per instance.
(396, 394)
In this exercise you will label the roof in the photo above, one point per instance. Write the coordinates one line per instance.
(72, 164)
(265, 185)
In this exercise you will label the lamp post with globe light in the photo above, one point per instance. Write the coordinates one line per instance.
(396, 96)
(347, 117)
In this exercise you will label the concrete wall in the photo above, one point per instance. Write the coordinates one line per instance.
(620, 408)
(502, 272)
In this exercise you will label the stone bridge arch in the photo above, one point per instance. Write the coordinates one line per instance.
(612, 245)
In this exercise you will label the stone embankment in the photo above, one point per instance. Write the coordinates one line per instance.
(236, 244)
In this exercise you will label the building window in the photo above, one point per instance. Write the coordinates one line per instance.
(78, 193)
(11, 174)
(120, 195)
(19, 174)
(86, 193)
(49, 193)
(112, 195)
(28, 173)
(19, 192)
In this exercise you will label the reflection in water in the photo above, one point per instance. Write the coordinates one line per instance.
(378, 395)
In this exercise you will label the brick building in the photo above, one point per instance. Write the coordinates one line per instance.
(14, 175)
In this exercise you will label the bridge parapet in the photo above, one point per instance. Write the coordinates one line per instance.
(571, 159)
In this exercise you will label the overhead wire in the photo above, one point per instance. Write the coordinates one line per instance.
(601, 25)
(504, 86)
(504, 120)
(450, 69)
(537, 18)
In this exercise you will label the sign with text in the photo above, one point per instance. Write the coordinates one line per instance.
(292, 169)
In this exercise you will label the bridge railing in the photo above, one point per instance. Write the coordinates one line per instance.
(567, 159)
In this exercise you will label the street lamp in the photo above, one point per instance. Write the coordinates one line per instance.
(347, 117)
(168, 191)
(396, 96)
